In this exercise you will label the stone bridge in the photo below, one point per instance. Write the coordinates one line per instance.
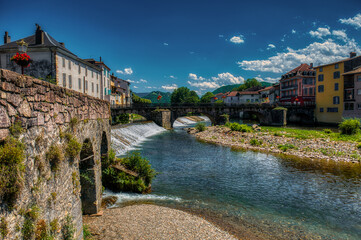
(165, 115)
(65, 134)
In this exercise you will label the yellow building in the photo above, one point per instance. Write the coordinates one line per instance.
(330, 89)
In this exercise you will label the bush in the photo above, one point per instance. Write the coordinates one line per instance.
(240, 127)
(349, 126)
(286, 146)
(73, 147)
(327, 131)
(200, 126)
(55, 156)
(16, 129)
(11, 170)
(117, 180)
(358, 145)
(255, 142)
(123, 118)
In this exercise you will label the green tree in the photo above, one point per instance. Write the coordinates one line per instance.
(184, 95)
(206, 98)
(137, 99)
(192, 97)
(250, 82)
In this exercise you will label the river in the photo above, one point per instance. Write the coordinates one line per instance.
(275, 197)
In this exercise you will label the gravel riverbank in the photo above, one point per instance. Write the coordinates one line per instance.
(151, 222)
(321, 149)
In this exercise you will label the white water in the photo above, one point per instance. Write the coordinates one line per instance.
(129, 137)
(184, 122)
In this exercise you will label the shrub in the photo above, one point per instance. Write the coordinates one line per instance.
(200, 126)
(350, 126)
(86, 232)
(73, 122)
(286, 146)
(120, 181)
(240, 127)
(327, 131)
(73, 147)
(255, 142)
(11, 169)
(225, 117)
(123, 118)
(55, 156)
(16, 129)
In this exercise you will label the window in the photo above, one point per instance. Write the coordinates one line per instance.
(332, 109)
(320, 77)
(69, 65)
(336, 86)
(321, 69)
(349, 94)
(336, 100)
(321, 109)
(349, 106)
(92, 74)
(97, 87)
(336, 66)
(358, 106)
(321, 88)
(64, 80)
(358, 91)
(86, 86)
(79, 70)
(79, 83)
(97, 76)
(86, 71)
(336, 75)
(305, 91)
(63, 62)
(70, 82)
(92, 87)
(359, 78)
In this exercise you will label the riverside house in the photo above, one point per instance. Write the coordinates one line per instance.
(335, 96)
(120, 92)
(352, 93)
(298, 86)
(244, 97)
(53, 62)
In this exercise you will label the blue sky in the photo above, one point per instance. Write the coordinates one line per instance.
(160, 45)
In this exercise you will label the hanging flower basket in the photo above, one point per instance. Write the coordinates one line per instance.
(23, 60)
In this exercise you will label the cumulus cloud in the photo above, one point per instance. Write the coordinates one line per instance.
(227, 78)
(126, 71)
(355, 21)
(143, 81)
(267, 79)
(135, 87)
(165, 44)
(317, 53)
(195, 77)
(270, 46)
(170, 87)
(204, 84)
(173, 77)
(237, 39)
(320, 32)
(131, 81)
(293, 31)
(341, 34)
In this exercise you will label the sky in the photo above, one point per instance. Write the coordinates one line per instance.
(199, 44)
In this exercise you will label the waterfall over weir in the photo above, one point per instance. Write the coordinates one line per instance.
(125, 138)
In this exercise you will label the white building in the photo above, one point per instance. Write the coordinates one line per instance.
(244, 97)
(53, 62)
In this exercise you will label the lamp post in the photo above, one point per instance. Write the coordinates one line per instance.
(22, 47)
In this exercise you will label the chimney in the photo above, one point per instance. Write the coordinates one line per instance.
(7, 38)
(100, 59)
(352, 54)
(39, 35)
(62, 44)
(311, 65)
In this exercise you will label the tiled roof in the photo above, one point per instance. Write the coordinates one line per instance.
(236, 93)
(302, 68)
(266, 89)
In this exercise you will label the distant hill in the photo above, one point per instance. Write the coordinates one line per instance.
(153, 96)
(229, 88)
(142, 94)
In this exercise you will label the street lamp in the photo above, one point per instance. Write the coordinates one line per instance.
(23, 59)
(22, 46)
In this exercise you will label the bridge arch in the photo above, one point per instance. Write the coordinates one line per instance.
(247, 114)
(209, 116)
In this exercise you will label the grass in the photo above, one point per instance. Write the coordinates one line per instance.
(29, 227)
(68, 228)
(72, 147)
(311, 134)
(86, 232)
(255, 142)
(55, 156)
(3, 228)
(286, 146)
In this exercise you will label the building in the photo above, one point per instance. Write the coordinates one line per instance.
(334, 94)
(53, 62)
(298, 86)
(352, 93)
(264, 94)
(104, 78)
(120, 92)
(274, 94)
(244, 97)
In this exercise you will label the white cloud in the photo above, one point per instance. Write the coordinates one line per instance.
(237, 39)
(131, 81)
(195, 77)
(228, 78)
(135, 87)
(355, 21)
(267, 79)
(220, 35)
(270, 46)
(317, 53)
(143, 81)
(165, 44)
(204, 84)
(149, 87)
(341, 34)
(170, 87)
(173, 77)
(126, 71)
(293, 31)
(320, 32)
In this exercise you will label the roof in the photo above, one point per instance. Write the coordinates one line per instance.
(93, 61)
(355, 71)
(266, 89)
(302, 68)
(236, 93)
(341, 61)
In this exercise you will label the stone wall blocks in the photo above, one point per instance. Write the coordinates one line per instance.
(4, 119)
(4, 133)
(11, 111)
(24, 109)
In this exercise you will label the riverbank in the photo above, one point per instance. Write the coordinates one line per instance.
(147, 221)
(278, 142)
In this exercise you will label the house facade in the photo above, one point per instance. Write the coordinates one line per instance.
(53, 62)
(352, 94)
(334, 94)
(120, 92)
(244, 97)
(105, 87)
(298, 86)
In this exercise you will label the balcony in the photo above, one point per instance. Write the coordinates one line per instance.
(289, 87)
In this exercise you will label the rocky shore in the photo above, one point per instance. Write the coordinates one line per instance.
(320, 148)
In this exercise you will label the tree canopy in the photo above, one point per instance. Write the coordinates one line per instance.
(250, 82)
(137, 99)
(184, 95)
(206, 98)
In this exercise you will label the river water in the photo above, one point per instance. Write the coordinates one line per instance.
(276, 197)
